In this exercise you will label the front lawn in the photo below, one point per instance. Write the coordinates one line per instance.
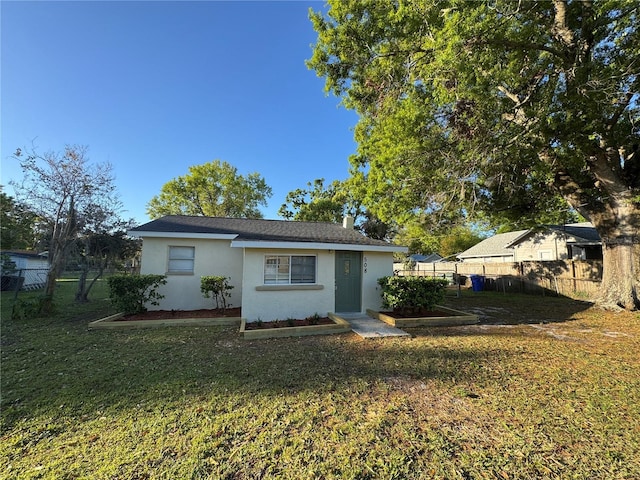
(557, 398)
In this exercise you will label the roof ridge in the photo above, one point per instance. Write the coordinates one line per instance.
(284, 220)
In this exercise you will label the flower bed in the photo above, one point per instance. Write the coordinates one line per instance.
(438, 317)
(293, 328)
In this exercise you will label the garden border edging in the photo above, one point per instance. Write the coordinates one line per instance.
(111, 322)
(458, 318)
(340, 326)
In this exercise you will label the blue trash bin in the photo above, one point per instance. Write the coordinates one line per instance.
(477, 283)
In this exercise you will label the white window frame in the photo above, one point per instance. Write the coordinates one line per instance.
(174, 258)
(544, 253)
(280, 271)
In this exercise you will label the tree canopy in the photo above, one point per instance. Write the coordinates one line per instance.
(317, 203)
(501, 107)
(332, 203)
(214, 189)
(17, 224)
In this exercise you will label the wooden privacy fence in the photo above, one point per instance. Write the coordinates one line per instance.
(571, 278)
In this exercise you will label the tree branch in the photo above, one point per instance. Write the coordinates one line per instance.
(572, 192)
(618, 113)
(605, 165)
(606, 18)
(561, 30)
(517, 45)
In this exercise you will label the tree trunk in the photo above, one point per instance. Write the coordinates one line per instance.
(46, 307)
(619, 229)
(621, 273)
(616, 218)
(82, 292)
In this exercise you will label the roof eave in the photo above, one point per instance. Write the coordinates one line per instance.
(482, 255)
(318, 246)
(518, 238)
(189, 235)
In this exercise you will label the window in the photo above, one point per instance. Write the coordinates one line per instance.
(545, 255)
(289, 269)
(181, 260)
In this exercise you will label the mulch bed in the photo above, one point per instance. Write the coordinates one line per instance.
(420, 314)
(178, 314)
(287, 323)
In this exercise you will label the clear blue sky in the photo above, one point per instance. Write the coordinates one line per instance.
(154, 87)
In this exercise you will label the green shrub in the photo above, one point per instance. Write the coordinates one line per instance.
(314, 319)
(7, 266)
(412, 294)
(131, 293)
(217, 287)
(29, 308)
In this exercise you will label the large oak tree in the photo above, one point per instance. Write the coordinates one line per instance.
(213, 189)
(496, 106)
(330, 204)
(318, 203)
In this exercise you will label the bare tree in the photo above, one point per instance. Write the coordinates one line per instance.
(65, 190)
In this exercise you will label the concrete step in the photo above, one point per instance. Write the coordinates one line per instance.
(368, 327)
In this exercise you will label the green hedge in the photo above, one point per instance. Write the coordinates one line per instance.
(131, 293)
(412, 294)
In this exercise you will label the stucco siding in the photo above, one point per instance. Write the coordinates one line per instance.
(245, 267)
(279, 303)
(182, 292)
(374, 266)
(268, 305)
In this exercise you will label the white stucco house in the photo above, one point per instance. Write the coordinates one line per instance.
(279, 269)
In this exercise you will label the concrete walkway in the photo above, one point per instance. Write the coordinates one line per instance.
(368, 327)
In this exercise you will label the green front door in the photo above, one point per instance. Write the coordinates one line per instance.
(348, 281)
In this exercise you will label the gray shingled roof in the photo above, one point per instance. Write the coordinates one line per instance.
(25, 254)
(431, 258)
(493, 246)
(577, 233)
(583, 232)
(260, 230)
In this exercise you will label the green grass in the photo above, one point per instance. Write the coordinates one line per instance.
(559, 398)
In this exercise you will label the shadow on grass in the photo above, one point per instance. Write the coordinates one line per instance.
(513, 309)
(59, 367)
(64, 369)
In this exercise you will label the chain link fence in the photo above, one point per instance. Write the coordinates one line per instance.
(24, 279)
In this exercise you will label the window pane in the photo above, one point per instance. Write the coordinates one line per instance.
(276, 270)
(285, 269)
(181, 266)
(181, 252)
(181, 259)
(303, 269)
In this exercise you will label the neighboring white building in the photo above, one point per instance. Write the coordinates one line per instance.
(279, 269)
(31, 266)
(575, 241)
